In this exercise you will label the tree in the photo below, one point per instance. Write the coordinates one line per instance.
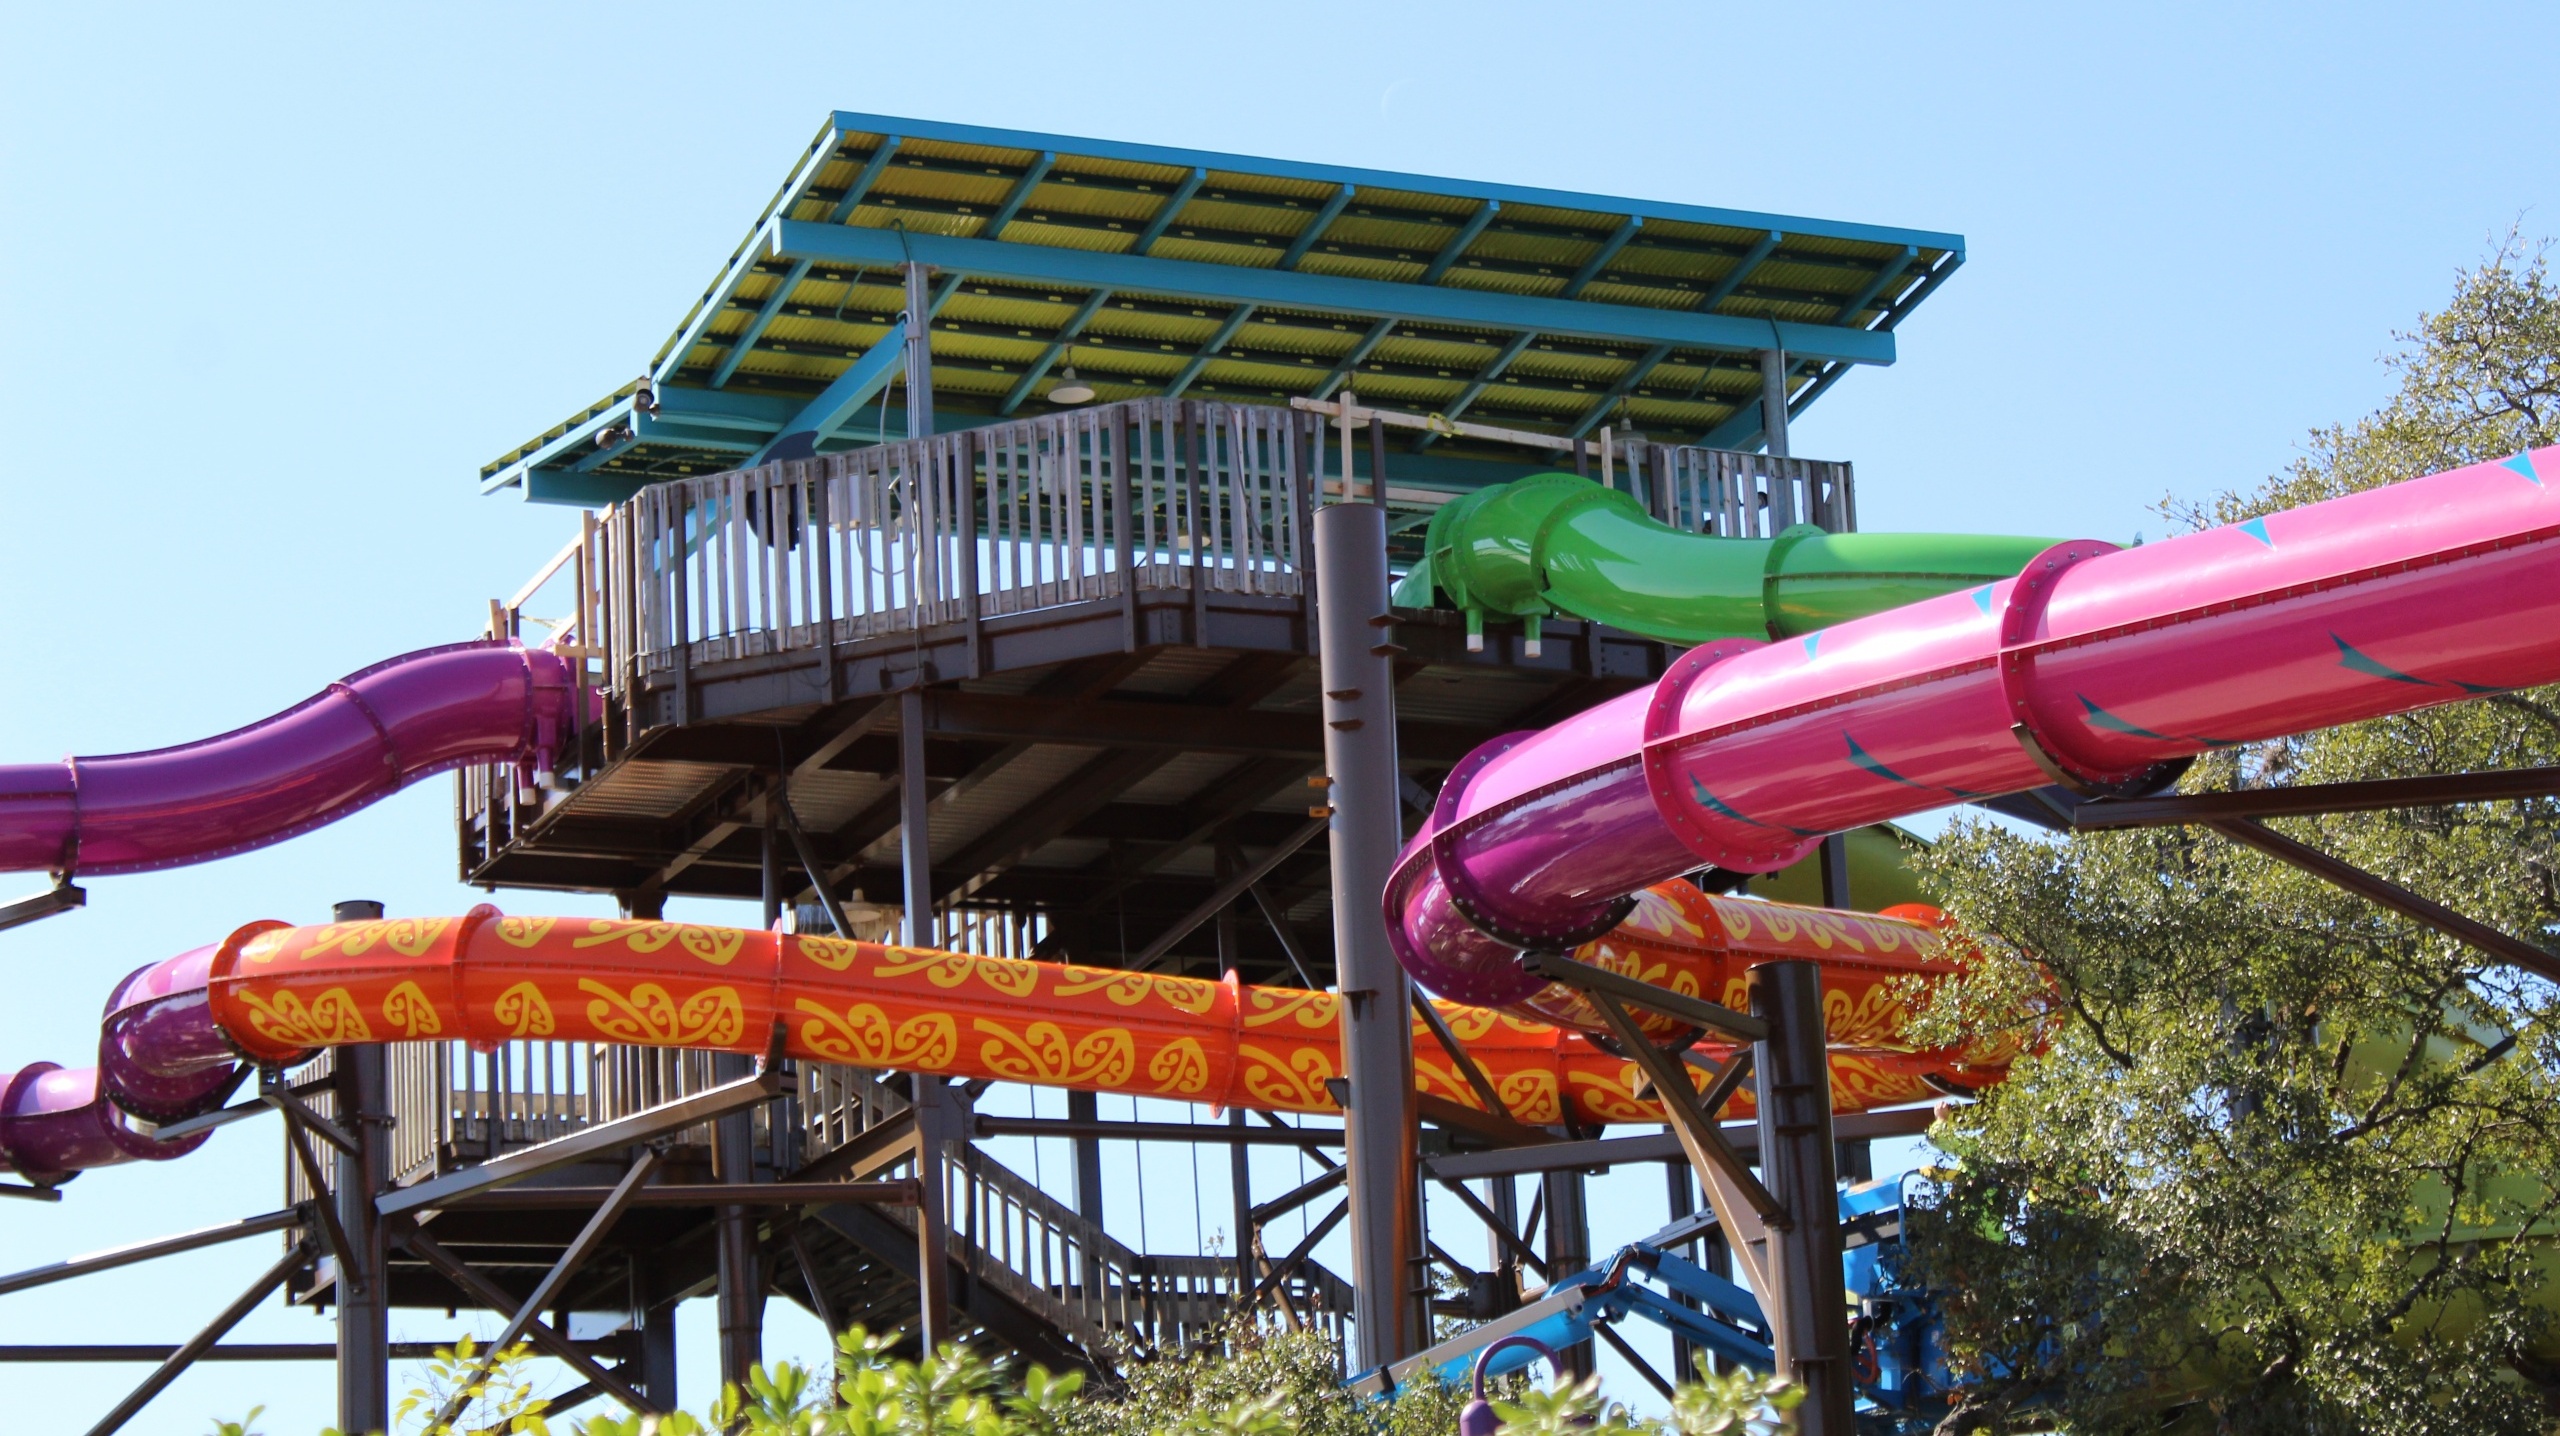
(2288, 1163)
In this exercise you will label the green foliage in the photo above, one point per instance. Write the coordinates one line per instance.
(2274, 1172)
(500, 1399)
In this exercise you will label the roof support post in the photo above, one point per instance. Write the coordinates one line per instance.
(919, 354)
(1773, 401)
(1086, 1107)
(1377, 1024)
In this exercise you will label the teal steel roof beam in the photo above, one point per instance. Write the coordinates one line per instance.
(857, 385)
(1626, 385)
(582, 433)
(1947, 264)
(851, 200)
(1886, 277)
(1367, 346)
(1608, 250)
(1067, 333)
(1316, 227)
(1456, 248)
(1170, 210)
(1014, 199)
(745, 342)
(1476, 386)
(1378, 299)
(1208, 351)
(854, 193)
(1735, 277)
(853, 122)
(715, 300)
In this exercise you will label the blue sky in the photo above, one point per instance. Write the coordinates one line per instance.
(276, 281)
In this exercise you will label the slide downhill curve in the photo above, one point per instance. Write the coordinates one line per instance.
(355, 742)
(176, 1032)
(2100, 667)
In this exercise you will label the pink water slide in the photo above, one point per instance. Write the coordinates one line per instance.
(2098, 666)
(359, 740)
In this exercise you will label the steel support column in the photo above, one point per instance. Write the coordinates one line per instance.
(1087, 1107)
(1808, 1307)
(1773, 401)
(364, 1307)
(655, 1363)
(919, 353)
(940, 1124)
(1568, 1244)
(1377, 1027)
(733, 1159)
(915, 838)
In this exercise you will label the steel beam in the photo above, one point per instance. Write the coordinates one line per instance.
(1456, 249)
(1886, 275)
(1773, 401)
(114, 1257)
(482, 1290)
(697, 1194)
(1066, 336)
(1608, 250)
(1600, 1152)
(572, 1258)
(1227, 892)
(2310, 799)
(364, 1288)
(185, 1356)
(1379, 299)
(1740, 274)
(1183, 1132)
(61, 897)
(1316, 227)
(2249, 832)
(859, 384)
(1627, 382)
(1235, 320)
(1696, 1011)
(1170, 210)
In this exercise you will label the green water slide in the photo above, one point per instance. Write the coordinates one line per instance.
(1554, 543)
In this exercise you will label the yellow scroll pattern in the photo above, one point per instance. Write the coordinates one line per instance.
(651, 1016)
(1294, 1083)
(526, 1011)
(1181, 1069)
(718, 946)
(1310, 1011)
(864, 1036)
(411, 1012)
(1128, 989)
(949, 970)
(407, 936)
(525, 931)
(1042, 1052)
(331, 1018)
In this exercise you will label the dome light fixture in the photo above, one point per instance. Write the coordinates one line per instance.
(1069, 389)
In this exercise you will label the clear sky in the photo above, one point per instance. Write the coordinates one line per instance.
(275, 281)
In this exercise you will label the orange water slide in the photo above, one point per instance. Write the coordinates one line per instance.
(273, 993)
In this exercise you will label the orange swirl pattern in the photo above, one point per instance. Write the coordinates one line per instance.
(485, 977)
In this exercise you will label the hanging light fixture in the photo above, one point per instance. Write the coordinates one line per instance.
(1069, 389)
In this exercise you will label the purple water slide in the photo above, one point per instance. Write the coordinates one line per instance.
(356, 741)
(2102, 666)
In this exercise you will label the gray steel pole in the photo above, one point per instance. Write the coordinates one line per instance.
(919, 354)
(733, 1160)
(1086, 1107)
(362, 1085)
(1377, 1022)
(1773, 400)
(1809, 1306)
(915, 835)
(1568, 1247)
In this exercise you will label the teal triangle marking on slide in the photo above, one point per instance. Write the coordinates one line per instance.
(2100, 717)
(1982, 598)
(1812, 641)
(1719, 807)
(2257, 529)
(2374, 667)
(2477, 688)
(1868, 762)
(2522, 463)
